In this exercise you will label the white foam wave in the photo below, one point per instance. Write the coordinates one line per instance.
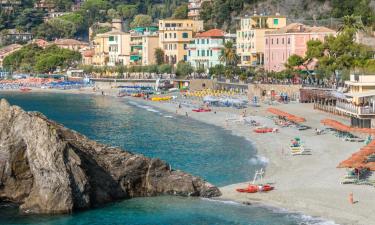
(222, 201)
(259, 160)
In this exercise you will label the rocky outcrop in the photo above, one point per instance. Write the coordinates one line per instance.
(47, 168)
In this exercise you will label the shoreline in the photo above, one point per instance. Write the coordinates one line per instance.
(304, 184)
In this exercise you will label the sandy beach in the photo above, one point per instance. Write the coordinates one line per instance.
(307, 184)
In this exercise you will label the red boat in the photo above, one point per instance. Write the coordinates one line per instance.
(263, 130)
(25, 89)
(201, 110)
(255, 188)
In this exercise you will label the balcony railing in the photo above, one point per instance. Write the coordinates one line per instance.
(356, 110)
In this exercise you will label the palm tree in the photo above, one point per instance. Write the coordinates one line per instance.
(352, 23)
(228, 54)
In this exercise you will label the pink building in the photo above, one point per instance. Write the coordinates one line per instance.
(290, 40)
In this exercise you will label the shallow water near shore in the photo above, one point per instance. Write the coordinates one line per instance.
(200, 149)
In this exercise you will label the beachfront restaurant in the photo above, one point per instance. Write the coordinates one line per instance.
(360, 107)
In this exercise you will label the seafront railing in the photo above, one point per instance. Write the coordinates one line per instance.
(358, 110)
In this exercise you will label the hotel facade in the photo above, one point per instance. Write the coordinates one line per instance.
(290, 40)
(250, 37)
(174, 37)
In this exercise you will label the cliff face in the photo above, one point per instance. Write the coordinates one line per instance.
(47, 168)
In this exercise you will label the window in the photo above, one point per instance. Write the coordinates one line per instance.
(277, 41)
(282, 41)
(198, 53)
(175, 35)
(203, 53)
(272, 41)
(211, 52)
(111, 38)
(185, 46)
(185, 58)
(185, 35)
(288, 41)
(203, 41)
(165, 36)
(189, 53)
(276, 21)
(208, 52)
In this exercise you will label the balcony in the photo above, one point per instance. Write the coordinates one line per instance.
(355, 110)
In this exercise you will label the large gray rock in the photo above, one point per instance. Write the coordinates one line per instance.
(47, 168)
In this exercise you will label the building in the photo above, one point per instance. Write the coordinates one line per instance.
(359, 102)
(290, 40)
(44, 5)
(9, 5)
(87, 56)
(112, 48)
(40, 42)
(71, 44)
(205, 50)
(174, 37)
(13, 36)
(194, 7)
(143, 42)
(250, 37)
(7, 50)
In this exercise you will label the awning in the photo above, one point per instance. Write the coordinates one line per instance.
(287, 116)
(361, 94)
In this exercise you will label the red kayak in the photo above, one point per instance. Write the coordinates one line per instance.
(25, 89)
(201, 110)
(255, 188)
(263, 130)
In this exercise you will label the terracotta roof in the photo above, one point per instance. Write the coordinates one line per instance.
(88, 53)
(69, 42)
(212, 33)
(9, 48)
(301, 28)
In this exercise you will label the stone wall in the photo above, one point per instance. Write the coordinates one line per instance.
(293, 91)
(201, 84)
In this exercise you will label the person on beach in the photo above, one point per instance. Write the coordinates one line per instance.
(186, 114)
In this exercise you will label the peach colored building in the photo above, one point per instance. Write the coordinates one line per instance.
(250, 37)
(292, 39)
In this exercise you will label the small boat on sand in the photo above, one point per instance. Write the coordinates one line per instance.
(263, 130)
(252, 188)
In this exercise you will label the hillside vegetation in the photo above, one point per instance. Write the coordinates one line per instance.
(219, 13)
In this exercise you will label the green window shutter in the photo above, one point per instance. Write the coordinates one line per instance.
(276, 21)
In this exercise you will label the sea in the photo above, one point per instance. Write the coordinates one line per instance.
(200, 149)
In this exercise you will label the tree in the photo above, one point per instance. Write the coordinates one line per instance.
(165, 68)
(183, 69)
(94, 10)
(127, 11)
(159, 56)
(181, 12)
(352, 24)
(229, 55)
(56, 28)
(29, 18)
(295, 61)
(141, 21)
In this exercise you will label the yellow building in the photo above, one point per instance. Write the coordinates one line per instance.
(143, 42)
(250, 37)
(174, 37)
(112, 48)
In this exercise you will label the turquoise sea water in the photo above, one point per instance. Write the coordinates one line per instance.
(200, 149)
